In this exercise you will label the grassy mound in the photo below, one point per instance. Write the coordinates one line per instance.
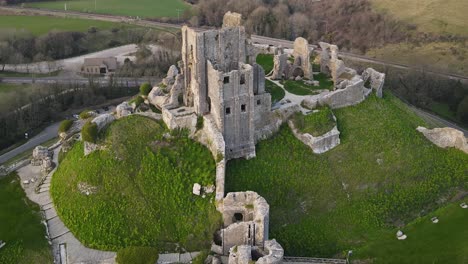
(20, 226)
(140, 189)
(383, 174)
(316, 124)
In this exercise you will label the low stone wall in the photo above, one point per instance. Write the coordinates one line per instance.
(319, 144)
(183, 117)
(275, 120)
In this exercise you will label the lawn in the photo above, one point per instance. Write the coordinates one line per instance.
(440, 16)
(141, 8)
(300, 88)
(277, 93)
(266, 61)
(21, 226)
(39, 25)
(444, 242)
(384, 174)
(142, 190)
(315, 124)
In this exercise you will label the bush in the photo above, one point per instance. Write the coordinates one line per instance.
(462, 111)
(85, 114)
(89, 132)
(199, 122)
(137, 255)
(65, 126)
(138, 101)
(145, 89)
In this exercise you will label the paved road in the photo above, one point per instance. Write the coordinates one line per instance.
(255, 38)
(47, 134)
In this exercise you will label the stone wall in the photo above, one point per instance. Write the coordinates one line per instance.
(377, 80)
(353, 94)
(302, 57)
(446, 137)
(320, 144)
(183, 117)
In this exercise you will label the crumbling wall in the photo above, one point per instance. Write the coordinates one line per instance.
(231, 19)
(271, 122)
(275, 253)
(302, 57)
(353, 94)
(377, 80)
(446, 137)
(280, 62)
(180, 118)
(320, 144)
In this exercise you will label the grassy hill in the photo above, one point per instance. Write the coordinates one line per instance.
(141, 8)
(39, 25)
(384, 174)
(141, 189)
(440, 16)
(20, 226)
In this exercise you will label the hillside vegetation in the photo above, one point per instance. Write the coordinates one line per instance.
(39, 25)
(140, 189)
(20, 226)
(439, 16)
(141, 8)
(384, 174)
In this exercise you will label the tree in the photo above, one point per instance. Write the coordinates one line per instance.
(462, 111)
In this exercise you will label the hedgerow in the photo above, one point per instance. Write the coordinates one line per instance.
(144, 189)
(383, 173)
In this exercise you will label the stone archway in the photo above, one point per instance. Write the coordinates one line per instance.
(298, 72)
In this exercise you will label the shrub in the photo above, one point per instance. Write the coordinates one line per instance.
(65, 125)
(138, 101)
(137, 255)
(85, 114)
(462, 111)
(89, 132)
(145, 88)
(199, 122)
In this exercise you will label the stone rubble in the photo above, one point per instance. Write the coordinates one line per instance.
(446, 137)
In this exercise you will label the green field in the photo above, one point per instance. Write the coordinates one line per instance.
(39, 25)
(384, 174)
(20, 226)
(441, 16)
(141, 8)
(142, 187)
(444, 242)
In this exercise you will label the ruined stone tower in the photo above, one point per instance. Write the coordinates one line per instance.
(220, 83)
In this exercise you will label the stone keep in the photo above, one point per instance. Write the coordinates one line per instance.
(219, 82)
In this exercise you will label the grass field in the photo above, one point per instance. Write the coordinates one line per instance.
(441, 16)
(20, 226)
(39, 25)
(444, 56)
(444, 242)
(142, 188)
(384, 174)
(141, 8)
(277, 93)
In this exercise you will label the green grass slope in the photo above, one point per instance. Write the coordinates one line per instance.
(20, 226)
(444, 242)
(143, 190)
(383, 174)
(141, 8)
(39, 25)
